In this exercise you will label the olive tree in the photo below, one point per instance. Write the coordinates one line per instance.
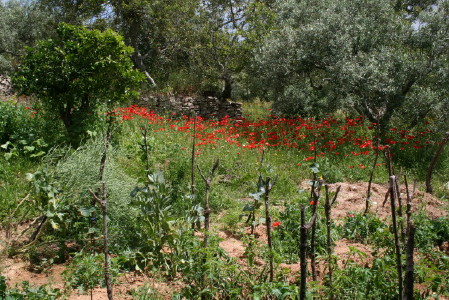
(22, 23)
(374, 57)
(78, 72)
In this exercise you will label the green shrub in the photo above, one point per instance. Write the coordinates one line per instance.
(366, 228)
(86, 271)
(77, 172)
(17, 123)
(430, 232)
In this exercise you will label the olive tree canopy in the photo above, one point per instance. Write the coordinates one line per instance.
(370, 56)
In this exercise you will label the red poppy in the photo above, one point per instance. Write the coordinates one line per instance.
(276, 224)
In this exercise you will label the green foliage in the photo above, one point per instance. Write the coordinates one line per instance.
(430, 232)
(145, 293)
(366, 228)
(366, 56)
(430, 272)
(46, 200)
(18, 123)
(77, 73)
(278, 290)
(22, 23)
(77, 171)
(359, 282)
(86, 271)
(156, 220)
(209, 273)
(28, 292)
(286, 236)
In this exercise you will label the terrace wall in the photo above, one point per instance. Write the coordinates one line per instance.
(205, 106)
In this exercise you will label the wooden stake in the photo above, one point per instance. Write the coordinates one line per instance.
(395, 232)
(207, 210)
(268, 187)
(327, 211)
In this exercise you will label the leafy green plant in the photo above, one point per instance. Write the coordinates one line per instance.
(355, 281)
(211, 274)
(85, 272)
(156, 221)
(275, 290)
(366, 228)
(27, 292)
(430, 232)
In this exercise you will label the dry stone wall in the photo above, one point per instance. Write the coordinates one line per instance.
(206, 107)
(6, 89)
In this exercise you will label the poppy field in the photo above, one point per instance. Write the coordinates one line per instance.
(266, 207)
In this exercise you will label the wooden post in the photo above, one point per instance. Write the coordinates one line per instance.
(327, 211)
(303, 251)
(395, 232)
(207, 210)
(268, 187)
(315, 198)
(409, 266)
(103, 203)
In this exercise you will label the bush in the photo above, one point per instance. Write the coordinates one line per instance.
(17, 123)
(366, 228)
(86, 272)
(77, 73)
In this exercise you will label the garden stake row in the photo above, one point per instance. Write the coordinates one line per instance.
(327, 211)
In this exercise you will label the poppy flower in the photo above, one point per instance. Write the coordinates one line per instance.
(276, 224)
